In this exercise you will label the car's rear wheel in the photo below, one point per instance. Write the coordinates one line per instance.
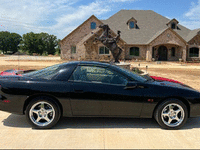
(43, 113)
(171, 114)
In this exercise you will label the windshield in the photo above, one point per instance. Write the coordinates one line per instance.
(46, 73)
(133, 75)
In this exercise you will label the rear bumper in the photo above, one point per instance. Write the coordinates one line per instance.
(12, 104)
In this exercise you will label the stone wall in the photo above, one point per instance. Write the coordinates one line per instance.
(74, 38)
(194, 42)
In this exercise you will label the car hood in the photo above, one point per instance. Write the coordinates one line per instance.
(172, 84)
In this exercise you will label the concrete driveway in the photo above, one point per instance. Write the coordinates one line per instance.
(97, 133)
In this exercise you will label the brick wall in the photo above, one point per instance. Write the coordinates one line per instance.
(194, 42)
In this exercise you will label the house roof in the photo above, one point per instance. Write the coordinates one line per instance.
(150, 25)
(192, 34)
(173, 20)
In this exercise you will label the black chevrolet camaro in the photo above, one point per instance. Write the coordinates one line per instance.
(94, 89)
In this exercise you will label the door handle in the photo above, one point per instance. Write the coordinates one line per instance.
(134, 87)
(78, 91)
(130, 87)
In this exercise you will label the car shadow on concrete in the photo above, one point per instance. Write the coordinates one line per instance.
(19, 121)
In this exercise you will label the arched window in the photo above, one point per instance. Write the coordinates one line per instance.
(194, 52)
(131, 25)
(134, 51)
(173, 25)
(93, 25)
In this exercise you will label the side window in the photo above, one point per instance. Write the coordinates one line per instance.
(98, 74)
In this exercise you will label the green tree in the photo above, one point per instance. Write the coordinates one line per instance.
(51, 44)
(39, 43)
(9, 41)
(58, 47)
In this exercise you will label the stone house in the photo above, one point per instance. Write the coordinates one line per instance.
(145, 35)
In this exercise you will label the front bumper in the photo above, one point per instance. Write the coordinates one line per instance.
(195, 110)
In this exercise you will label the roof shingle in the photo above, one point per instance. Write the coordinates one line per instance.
(149, 23)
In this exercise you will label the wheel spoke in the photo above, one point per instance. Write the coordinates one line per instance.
(165, 114)
(170, 120)
(171, 107)
(38, 119)
(42, 105)
(49, 111)
(46, 118)
(35, 111)
(177, 111)
(177, 119)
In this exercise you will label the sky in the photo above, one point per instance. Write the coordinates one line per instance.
(60, 17)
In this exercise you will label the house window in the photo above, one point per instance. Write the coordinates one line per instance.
(134, 51)
(173, 25)
(194, 52)
(131, 25)
(73, 49)
(173, 51)
(103, 50)
(93, 25)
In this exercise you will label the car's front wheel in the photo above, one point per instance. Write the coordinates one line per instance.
(43, 113)
(171, 114)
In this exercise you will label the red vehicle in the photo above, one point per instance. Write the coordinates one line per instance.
(165, 79)
(13, 72)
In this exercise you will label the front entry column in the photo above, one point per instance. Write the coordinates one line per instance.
(184, 53)
(149, 53)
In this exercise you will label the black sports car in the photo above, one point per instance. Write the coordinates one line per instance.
(80, 89)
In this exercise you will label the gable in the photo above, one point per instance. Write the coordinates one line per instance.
(168, 36)
(98, 32)
(195, 40)
(81, 30)
(192, 34)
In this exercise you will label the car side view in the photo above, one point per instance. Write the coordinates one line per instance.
(94, 89)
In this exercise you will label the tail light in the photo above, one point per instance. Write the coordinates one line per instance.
(6, 101)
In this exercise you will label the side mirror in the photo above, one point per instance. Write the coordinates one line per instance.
(130, 85)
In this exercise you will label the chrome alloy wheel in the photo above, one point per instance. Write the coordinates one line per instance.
(172, 115)
(42, 113)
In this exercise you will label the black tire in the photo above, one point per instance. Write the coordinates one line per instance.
(43, 113)
(171, 114)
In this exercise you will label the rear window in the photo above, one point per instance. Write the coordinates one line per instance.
(46, 73)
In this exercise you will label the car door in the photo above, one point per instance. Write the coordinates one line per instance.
(101, 91)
